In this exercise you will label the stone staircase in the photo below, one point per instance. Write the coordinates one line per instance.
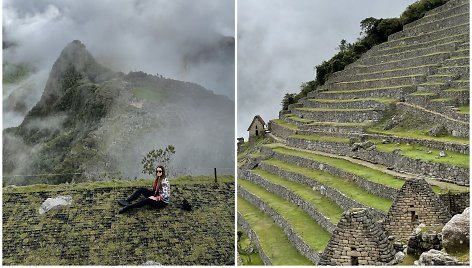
(328, 161)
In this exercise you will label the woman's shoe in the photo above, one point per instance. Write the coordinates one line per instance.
(122, 210)
(123, 203)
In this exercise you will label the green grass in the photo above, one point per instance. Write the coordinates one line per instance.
(347, 124)
(296, 118)
(323, 204)
(419, 134)
(303, 224)
(369, 174)
(349, 188)
(149, 94)
(363, 90)
(282, 123)
(421, 152)
(464, 109)
(379, 79)
(320, 138)
(383, 100)
(272, 238)
(254, 258)
(115, 184)
(334, 110)
(442, 99)
(423, 93)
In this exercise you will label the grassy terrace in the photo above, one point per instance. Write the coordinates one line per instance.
(282, 123)
(423, 93)
(272, 238)
(348, 124)
(460, 38)
(363, 90)
(320, 138)
(383, 100)
(309, 230)
(91, 232)
(344, 165)
(334, 110)
(405, 59)
(254, 258)
(349, 188)
(323, 204)
(418, 133)
(297, 118)
(464, 109)
(421, 152)
(380, 79)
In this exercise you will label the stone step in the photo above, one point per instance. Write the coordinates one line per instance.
(441, 78)
(398, 92)
(421, 97)
(339, 115)
(435, 24)
(282, 129)
(323, 210)
(354, 76)
(411, 53)
(464, 52)
(457, 61)
(294, 119)
(347, 194)
(462, 70)
(427, 36)
(334, 127)
(378, 83)
(447, 39)
(410, 62)
(449, 7)
(273, 246)
(432, 87)
(305, 234)
(460, 83)
(461, 94)
(433, 15)
(374, 103)
(448, 107)
(465, 45)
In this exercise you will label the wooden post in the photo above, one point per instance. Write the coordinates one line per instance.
(215, 176)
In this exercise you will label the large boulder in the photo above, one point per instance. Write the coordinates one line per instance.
(455, 234)
(436, 257)
(54, 203)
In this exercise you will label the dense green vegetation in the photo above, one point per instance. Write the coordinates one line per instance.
(273, 240)
(13, 73)
(373, 32)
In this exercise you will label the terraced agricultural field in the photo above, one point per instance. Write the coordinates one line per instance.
(91, 232)
(397, 117)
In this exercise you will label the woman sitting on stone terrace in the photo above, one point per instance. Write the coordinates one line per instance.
(158, 197)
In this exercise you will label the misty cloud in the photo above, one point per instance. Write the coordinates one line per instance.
(280, 42)
(150, 36)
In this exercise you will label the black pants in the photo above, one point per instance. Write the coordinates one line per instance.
(146, 201)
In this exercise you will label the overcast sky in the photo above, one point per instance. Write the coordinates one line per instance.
(280, 42)
(154, 36)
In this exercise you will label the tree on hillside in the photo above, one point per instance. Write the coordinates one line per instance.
(158, 157)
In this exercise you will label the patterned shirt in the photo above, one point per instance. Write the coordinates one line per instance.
(164, 191)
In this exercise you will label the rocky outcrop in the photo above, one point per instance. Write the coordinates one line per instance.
(435, 257)
(455, 234)
(424, 239)
(55, 203)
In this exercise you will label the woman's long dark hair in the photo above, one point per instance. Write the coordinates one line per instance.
(158, 181)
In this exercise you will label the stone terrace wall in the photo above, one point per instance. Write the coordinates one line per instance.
(416, 203)
(358, 239)
(91, 232)
(290, 196)
(253, 237)
(456, 203)
(292, 236)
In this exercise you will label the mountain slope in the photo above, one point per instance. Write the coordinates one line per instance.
(96, 122)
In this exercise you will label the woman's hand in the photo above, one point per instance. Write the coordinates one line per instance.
(155, 198)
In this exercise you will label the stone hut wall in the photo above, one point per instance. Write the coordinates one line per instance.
(416, 203)
(256, 130)
(358, 240)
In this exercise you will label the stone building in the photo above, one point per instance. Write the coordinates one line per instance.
(358, 240)
(257, 128)
(415, 203)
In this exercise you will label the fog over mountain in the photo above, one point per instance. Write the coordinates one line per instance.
(186, 40)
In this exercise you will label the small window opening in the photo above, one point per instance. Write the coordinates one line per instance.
(414, 217)
(354, 260)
